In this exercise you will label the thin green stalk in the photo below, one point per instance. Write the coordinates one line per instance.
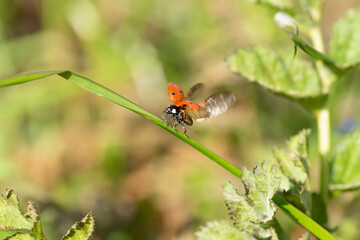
(323, 124)
(102, 91)
(323, 115)
(307, 222)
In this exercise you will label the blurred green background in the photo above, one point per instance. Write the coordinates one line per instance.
(72, 152)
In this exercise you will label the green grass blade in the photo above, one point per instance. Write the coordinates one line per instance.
(303, 219)
(106, 93)
(102, 91)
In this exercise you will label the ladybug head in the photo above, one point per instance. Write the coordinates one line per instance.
(172, 109)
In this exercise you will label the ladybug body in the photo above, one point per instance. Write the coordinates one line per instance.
(184, 111)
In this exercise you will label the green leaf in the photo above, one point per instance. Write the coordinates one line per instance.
(260, 185)
(35, 234)
(293, 161)
(26, 77)
(11, 216)
(30, 220)
(81, 230)
(344, 45)
(223, 230)
(278, 72)
(345, 172)
(252, 211)
(32, 212)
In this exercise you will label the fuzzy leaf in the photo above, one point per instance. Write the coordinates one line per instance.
(279, 72)
(35, 234)
(30, 218)
(293, 160)
(81, 230)
(11, 216)
(252, 211)
(344, 45)
(345, 174)
(223, 230)
(260, 186)
(241, 212)
(22, 236)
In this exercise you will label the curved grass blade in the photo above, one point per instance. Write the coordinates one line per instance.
(106, 93)
(307, 222)
(102, 91)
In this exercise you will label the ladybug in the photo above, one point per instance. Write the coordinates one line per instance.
(184, 110)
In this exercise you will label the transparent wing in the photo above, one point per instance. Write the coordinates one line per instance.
(213, 106)
(194, 91)
(201, 114)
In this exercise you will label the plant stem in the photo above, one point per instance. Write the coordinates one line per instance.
(323, 115)
(323, 123)
(317, 39)
(301, 218)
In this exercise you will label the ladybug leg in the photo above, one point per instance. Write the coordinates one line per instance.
(164, 116)
(183, 126)
(175, 122)
(171, 119)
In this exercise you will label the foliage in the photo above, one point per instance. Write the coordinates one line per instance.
(343, 47)
(221, 230)
(28, 225)
(81, 230)
(308, 79)
(118, 99)
(252, 212)
(277, 71)
(293, 161)
(345, 173)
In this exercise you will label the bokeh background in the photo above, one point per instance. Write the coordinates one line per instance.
(72, 152)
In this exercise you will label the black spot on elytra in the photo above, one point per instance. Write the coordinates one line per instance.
(172, 84)
(191, 102)
(181, 91)
(173, 93)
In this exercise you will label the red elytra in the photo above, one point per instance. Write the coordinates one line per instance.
(176, 95)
